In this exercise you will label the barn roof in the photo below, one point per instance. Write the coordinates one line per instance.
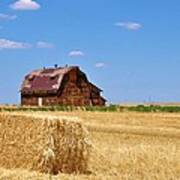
(45, 80)
(93, 86)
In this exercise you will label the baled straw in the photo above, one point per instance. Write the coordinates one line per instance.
(49, 145)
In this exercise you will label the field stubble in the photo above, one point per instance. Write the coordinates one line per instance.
(125, 146)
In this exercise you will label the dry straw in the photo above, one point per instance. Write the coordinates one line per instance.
(49, 145)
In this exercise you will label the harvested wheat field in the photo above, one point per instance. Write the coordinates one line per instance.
(123, 146)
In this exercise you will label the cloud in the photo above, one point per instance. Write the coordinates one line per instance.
(8, 44)
(75, 53)
(7, 17)
(129, 25)
(44, 45)
(100, 65)
(25, 5)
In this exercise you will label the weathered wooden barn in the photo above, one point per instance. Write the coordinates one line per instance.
(60, 86)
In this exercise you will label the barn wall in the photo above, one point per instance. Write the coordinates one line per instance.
(98, 101)
(33, 100)
(64, 100)
(75, 90)
(29, 100)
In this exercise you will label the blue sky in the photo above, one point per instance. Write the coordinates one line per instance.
(129, 48)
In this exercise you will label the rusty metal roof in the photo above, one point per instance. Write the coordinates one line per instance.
(45, 80)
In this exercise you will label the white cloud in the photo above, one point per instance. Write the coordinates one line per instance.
(44, 45)
(100, 65)
(8, 44)
(75, 53)
(7, 17)
(129, 25)
(25, 5)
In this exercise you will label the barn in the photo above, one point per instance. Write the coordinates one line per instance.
(60, 86)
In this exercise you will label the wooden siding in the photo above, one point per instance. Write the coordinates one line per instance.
(75, 90)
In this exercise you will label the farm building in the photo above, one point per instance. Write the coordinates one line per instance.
(60, 86)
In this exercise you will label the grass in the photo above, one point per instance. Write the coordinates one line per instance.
(126, 145)
(109, 108)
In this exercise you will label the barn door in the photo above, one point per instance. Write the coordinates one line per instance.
(40, 101)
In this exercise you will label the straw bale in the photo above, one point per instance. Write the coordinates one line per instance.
(45, 144)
